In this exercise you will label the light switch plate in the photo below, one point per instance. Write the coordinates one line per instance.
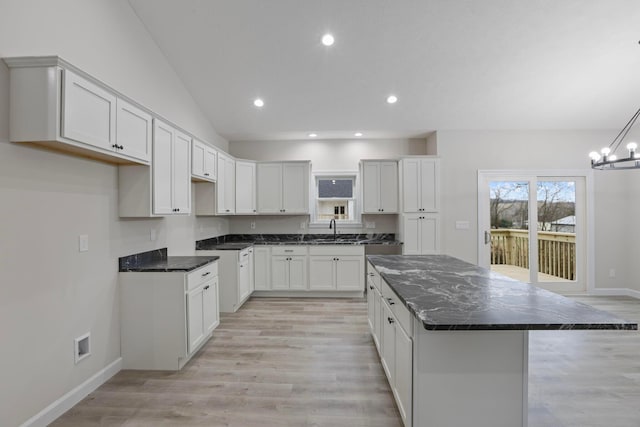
(253, 225)
(462, 225)
(83, 242)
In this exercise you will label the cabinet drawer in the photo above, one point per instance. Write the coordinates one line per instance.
(288, 250)
(402, 313)
(336, 250)
(201, 275)
(373, 276)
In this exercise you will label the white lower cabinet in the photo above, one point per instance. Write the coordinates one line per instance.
(289, 268)
(236, 272)
(336, 267)
(391, 327)
(166, 316)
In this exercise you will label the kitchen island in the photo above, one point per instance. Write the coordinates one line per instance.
(453, 337)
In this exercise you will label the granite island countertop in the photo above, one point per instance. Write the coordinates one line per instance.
(158, 261)
(243, 241)
(446, 293)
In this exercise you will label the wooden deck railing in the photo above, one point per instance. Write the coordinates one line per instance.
(556, 251)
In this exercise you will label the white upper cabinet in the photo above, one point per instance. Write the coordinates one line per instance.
(204, 161)
(283, 188)
(420, 184)
(245, 187)
(88, 112)
(226, 185)
(171, 170)
(55, 105)
(133, 131)
(380, 187)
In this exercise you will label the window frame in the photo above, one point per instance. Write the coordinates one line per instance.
(314, 222)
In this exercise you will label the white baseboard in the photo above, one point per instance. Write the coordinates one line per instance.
(66, 402)
(615, 292)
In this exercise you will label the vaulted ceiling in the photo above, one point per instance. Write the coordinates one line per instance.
(453, 64)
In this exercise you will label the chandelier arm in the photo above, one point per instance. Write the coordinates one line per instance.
(625, 130)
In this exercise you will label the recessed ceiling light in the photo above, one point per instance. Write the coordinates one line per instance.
(392, 99)
(313, 135)
(357, 134)
(328, 39)
(258, 102)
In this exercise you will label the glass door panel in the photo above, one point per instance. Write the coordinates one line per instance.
(556, 200)
(509, 221)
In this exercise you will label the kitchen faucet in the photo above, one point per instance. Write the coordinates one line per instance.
(335, 227)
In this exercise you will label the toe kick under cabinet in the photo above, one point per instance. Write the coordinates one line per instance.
(167, 316)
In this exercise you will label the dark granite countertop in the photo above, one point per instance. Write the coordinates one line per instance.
(236, 241)
(158, 261)
(446, 293)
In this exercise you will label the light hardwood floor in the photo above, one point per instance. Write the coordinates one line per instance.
(311, 362)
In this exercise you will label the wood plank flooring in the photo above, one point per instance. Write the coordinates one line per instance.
(276, 362)
(311, 362)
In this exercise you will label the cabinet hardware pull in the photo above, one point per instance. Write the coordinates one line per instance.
(391, 302)
(288, 250)
(206, 274)
(371, 274)
(121, 147)
(206, 174)
(206, 287)
(390, 320)
(370, 287)
(114, 146)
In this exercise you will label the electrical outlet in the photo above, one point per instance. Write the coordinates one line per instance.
(612, 273)
(253, 225)
(152, 235)
(370, 224)
(462, 225)
(83, 242)
(303, 225)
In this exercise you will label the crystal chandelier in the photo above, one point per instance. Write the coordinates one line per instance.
(607, 159)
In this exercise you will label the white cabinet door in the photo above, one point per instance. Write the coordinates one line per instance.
(197, 159)
(181, 173)
(429, 234)
(161, 167)
(403, 373)
(244, 273)
(88, 112)
(388, 187)
(295, 188)
(349, 273)
(195, 316)
(388, 343)
(411, 191)
(322, 272)
(371, 308)
(421, 234)
(210, 163)
(211, 312)
(429, 171)
(371, 187)
(377, 317)
(245, 187)
(411, 234)
(226, 185)
(280, 272)
(262, 268)
(133, 131)
(269, 188)
(297, 272)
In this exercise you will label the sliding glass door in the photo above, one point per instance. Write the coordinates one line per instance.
(532, 228)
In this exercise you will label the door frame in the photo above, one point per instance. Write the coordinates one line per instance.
(485, 175)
